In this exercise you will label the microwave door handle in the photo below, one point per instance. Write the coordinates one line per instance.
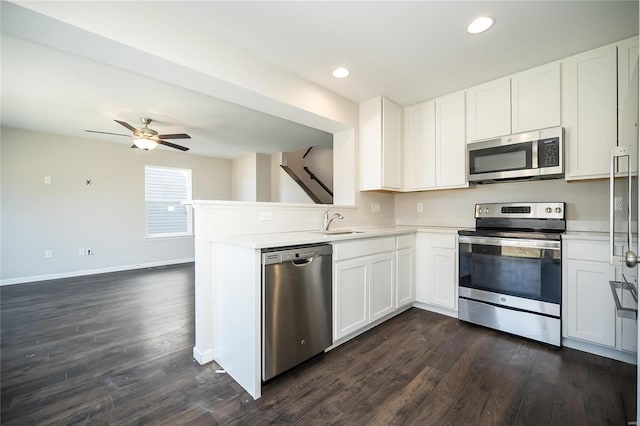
(534, 154)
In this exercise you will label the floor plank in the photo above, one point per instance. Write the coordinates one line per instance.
(117, 349)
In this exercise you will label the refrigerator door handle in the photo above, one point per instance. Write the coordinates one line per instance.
(629, 258)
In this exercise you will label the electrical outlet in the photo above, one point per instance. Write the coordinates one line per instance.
(81, 252)
(375, 207)
(420, 207)
(47, 180)
(266, 215)
(618, 203)
(48, 253)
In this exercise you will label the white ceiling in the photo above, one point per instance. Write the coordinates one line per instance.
(407, 51)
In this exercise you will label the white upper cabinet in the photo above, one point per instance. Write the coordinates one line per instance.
(381, 152)
(489, 110)
(600, 108)
(450, 141)
(628, 99)
(589, 112)
(535, 98)
(526, 101)
(434, 144)
(420, 146)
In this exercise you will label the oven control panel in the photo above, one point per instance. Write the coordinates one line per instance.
(544, 210)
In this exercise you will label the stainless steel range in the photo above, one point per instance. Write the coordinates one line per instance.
(510, 275)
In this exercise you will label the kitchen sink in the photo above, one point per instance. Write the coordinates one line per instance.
(341, 232)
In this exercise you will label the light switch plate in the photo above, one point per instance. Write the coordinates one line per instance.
(420, 207)
(375, 207)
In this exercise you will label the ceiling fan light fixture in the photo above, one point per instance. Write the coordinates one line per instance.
(480, 25)
(146, 144)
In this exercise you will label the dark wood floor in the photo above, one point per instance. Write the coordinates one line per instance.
(116, 349)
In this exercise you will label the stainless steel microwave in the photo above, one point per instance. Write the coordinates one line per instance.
(531, 155)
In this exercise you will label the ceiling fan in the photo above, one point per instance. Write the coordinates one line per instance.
(146, 138)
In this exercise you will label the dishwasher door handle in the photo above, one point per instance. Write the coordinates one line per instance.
(302, 262)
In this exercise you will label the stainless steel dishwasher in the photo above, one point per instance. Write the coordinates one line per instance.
(296, 306)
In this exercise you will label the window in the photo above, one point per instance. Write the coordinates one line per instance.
(164, 189)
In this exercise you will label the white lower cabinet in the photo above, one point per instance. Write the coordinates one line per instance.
(589, 311)
(373, 278)
(350, 304)
(382, 281)
(405, 273)
(442, 279)
(437, 271)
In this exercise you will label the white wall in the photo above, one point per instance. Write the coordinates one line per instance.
(107, 216)
(587, 201)
(263, 177)
(243, 178)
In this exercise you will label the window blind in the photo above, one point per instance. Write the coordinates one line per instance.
(165, 189)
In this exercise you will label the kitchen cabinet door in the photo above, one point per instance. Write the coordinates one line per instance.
(450, 141)
(382, 285)
(489, 110)
(590, 313)
(437, 271)
(628, 327)
(419, 147)
(405, 285)
(350, 304)
(589, 114)
(535, 98)
(628, 100)
(380, 145)
(422, 271)
(443, 285)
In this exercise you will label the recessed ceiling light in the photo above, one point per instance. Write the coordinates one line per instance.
(481, 24)
(341, 73)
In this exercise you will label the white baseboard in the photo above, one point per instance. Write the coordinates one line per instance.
(436, 309)
(628, 357)
(21, 280)
(203, 356)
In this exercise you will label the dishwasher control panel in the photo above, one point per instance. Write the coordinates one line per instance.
(289, 254)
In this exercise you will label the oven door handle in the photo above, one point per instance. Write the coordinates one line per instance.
(510, 242)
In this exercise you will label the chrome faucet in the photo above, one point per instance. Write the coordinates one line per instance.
(326, 221)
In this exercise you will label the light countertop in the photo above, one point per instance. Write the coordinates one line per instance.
(282, 239)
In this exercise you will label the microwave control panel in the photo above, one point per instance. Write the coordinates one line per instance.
(549, 152)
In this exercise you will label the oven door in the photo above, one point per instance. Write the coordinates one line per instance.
(518, 273)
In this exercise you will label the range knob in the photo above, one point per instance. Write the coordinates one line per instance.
(558, 209)
(548, 210)
(486, 210)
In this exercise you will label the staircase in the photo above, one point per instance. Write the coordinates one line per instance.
(312, 170)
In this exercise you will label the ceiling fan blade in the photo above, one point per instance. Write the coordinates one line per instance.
(107, 133)
(127, 125)
(175, 136)
(173, 145)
